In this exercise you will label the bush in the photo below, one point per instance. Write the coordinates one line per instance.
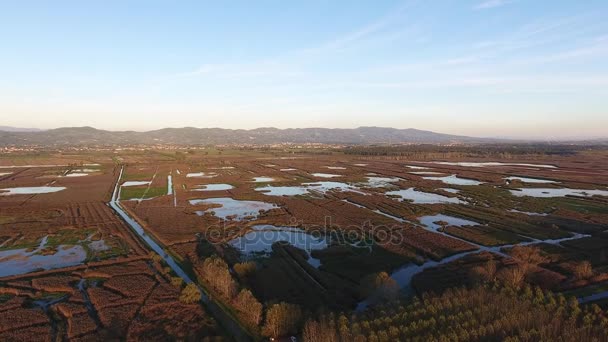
(190, 294)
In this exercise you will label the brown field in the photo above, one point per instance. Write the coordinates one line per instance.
(130, 295)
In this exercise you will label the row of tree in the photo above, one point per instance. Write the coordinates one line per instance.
(280, 319)
(485, 313)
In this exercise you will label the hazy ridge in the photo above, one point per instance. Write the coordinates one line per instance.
(87, 136)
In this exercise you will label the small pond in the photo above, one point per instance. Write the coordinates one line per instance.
(454, 180)
(423, 197)
(529, 180)
(557, 192)
(258, 242)
(233, 209)
(214, 187)
(325, 175)
(430, 221)
(31, 190)
(262, 179)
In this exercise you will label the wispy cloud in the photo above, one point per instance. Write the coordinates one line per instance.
(491, 4)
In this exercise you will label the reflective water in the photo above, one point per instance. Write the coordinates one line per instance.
(289, 169)
(283, 190)
(426, 173)
(529, 180)
(76, 174)
(231, 209)
(19, 261)
(136, 183)
(335, 167)
(325, 175)
(5, 173)
(484, 164)
(201, 175)
(455, 180)
(262, 179)
(550, 192)
(527, 213)
(214, 187)
(423, 197)
(430, 221)
(307, 188)
(258, 242)
(380, 182)
(450, 190)
(31, 190)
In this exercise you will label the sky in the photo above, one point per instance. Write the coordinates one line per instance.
(489, 68)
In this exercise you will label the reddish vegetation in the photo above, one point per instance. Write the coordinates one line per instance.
(128, 300)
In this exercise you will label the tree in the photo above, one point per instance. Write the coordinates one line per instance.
(217, 274)
(513, 276)
(190, 294)
(527, 256)
(583, 270)
(245, 269)
(485, 272)
(379, 287)
(315, 331)
(177, 281)
(249, 306)
(282, 319)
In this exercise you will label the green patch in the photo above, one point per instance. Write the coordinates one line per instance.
(354, 263)
(6, 219)
(136, 176)
(583, 206)
(5, 298)
(127, 193)
(69, 237)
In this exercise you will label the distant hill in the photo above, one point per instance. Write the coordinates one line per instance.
(88, 136)
(18, 129)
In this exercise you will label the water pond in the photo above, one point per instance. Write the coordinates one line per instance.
(557, 192)
(31, 190)
(136, 183)
(231, 209)
(430, 221)
(307, 188)
(214, 187)
(262, 179)
(258, 242)
(529, 180)
(201, 175)
(380, 182)
(423, 197)
(454, 180)
(484, 164)
(20, 261)
(325, 175)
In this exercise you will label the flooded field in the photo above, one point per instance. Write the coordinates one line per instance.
(228, 208)
(32, 190)
(425, 224)
(420, 197)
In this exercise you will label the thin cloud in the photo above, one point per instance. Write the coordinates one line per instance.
(492, 4)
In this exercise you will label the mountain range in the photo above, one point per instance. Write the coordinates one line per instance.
(89, 136)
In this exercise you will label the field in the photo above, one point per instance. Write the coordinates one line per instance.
(342, 230)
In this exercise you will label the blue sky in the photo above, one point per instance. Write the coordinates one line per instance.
(519, 68)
